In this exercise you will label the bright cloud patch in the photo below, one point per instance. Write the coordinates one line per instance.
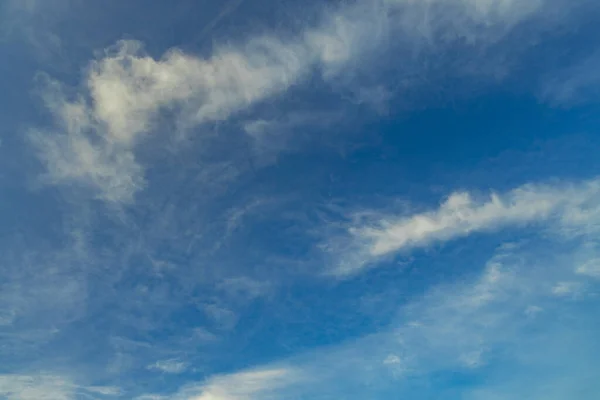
(259, 384)
(460, 215)
(126, 90)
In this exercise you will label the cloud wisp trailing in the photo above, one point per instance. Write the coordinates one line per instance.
(125, 94)
(576, 84)
(49, 387)
(376, 236)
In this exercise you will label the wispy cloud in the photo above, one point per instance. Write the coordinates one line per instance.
(24, 387)
(503, 316)
(33, 22)
(159, 281)
(126, 92)
(50, 387)
(574, 85)
(375, 236)
(172, 366)
(590, 268)
(42, 291)
(269, 137)
(249, 385)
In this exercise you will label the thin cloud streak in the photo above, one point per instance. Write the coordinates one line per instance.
(378, 236)
(50, 387)
(574, 85)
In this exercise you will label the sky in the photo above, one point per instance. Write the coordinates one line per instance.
(326, 199)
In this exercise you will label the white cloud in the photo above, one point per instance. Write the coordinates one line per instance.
(462, 214)
(128, 88)
(457, 327)
(49, 387)
(465, 324)
(590, 268)
(392, 359)
(270, 137)
(34, 23)
(125, 92)
(172, 366)
(104, 390)
(452, 326)
(26, 387)
(472, 359)
(575, 84)
(567, 289)
(202, 335)
(244, 289)
(248, 385)
(151, 397)
(222, 317)
(41, 291)
(532, 311)
(245, 385)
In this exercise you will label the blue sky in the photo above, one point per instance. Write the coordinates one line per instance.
(252, 200)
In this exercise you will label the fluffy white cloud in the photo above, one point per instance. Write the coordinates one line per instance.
(128, 88)
(126, 91)
(462, 214)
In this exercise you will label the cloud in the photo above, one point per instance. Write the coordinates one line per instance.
(33, 22)
(128, 89)
(590, 268)
(245, 385)
(452, 326)
(248, 385)
(567, 289)
(49, 387)
(375, 236)
(483, 320)
(504, 321)
(172, 366)
(25, 387)
(243, 288)
(42, 290)
(104, 390)
(223, 318)
(74, 156)
(574, 85)
(270, 137)
(129, 99)
(229, 7)
(126, 95)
